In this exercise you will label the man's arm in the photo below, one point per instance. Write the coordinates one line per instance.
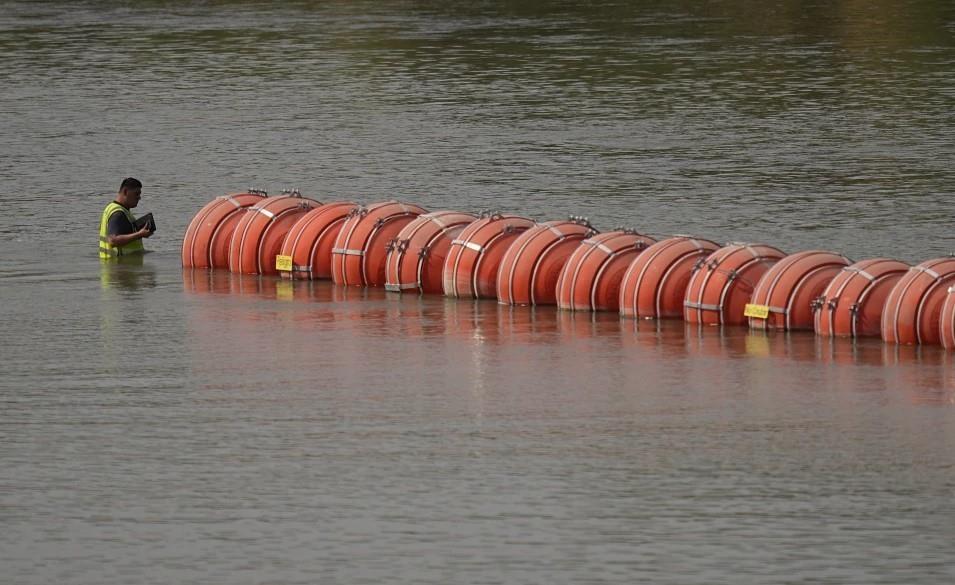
(123, 239)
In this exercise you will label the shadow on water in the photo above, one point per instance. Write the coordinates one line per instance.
(127, 274)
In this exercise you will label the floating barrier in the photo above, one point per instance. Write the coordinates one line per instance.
(259, 235)
(207, 238)
(307, 250)
(416, 256)
(402, 247)
(590, 280)
(946, 322)
(723, 283)
(532, 265)
(361, 248)
(654, 285)
(784, 298)
(914, 306)
(470, 270)
(852, 304)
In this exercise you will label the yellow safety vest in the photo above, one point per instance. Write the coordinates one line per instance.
(109, 251)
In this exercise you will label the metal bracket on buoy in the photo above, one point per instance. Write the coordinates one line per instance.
(423, 252)
(257, 191)
(580, 220)
(292, 193)
(817, 303)
(359, 211)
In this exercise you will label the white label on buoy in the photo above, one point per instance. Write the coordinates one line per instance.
(757, 311)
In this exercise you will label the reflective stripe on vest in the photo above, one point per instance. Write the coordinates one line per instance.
(106, 250)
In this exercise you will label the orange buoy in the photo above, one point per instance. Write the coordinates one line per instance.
(590, 280)
(361, 248)
(259, 234)
(654, 285)
(416, 256)
(946, 322)
(207, 238)
(852, 304)
(722, 284)
(914, 305)
(470, 270)
(531, 266)
(309, 242)
(785, 295)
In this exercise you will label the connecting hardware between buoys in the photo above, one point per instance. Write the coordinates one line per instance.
(307, 251)
(723, 283)
(361, 248)
(654, 285)
(416, 256)
(532, 265)
(852, 304)
(590, 280)
(914, 306)
(475, 256)
(259, 235)
(209, 234)
(785, 296)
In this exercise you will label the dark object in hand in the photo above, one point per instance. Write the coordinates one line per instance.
(146, 221)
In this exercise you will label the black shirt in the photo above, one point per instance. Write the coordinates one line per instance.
(118, 225)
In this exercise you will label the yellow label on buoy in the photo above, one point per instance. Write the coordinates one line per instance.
(757, 311)
(283, 263)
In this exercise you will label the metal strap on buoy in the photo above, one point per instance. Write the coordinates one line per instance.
(926, 270)
(401, 286)
(704, 306)
(469, 245)
(348, 252)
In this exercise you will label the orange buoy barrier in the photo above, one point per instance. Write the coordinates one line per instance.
(723, 282)
(307, 249)
(207, 238)
(360, 250)
(654, 285)
(470, 270)
(416, 256)
(259, 234)
(531, 266)
(784, 297)
(914, 306)
(590, 280)
(946, 322)
(852, 304)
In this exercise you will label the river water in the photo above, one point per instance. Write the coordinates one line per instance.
(161, 426)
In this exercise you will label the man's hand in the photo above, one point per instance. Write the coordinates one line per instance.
(144, 233)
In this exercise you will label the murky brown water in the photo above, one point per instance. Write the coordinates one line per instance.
(158, 426)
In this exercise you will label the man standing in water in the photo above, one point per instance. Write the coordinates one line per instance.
(118, 234)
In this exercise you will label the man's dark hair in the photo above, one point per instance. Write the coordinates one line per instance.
(130, 184)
